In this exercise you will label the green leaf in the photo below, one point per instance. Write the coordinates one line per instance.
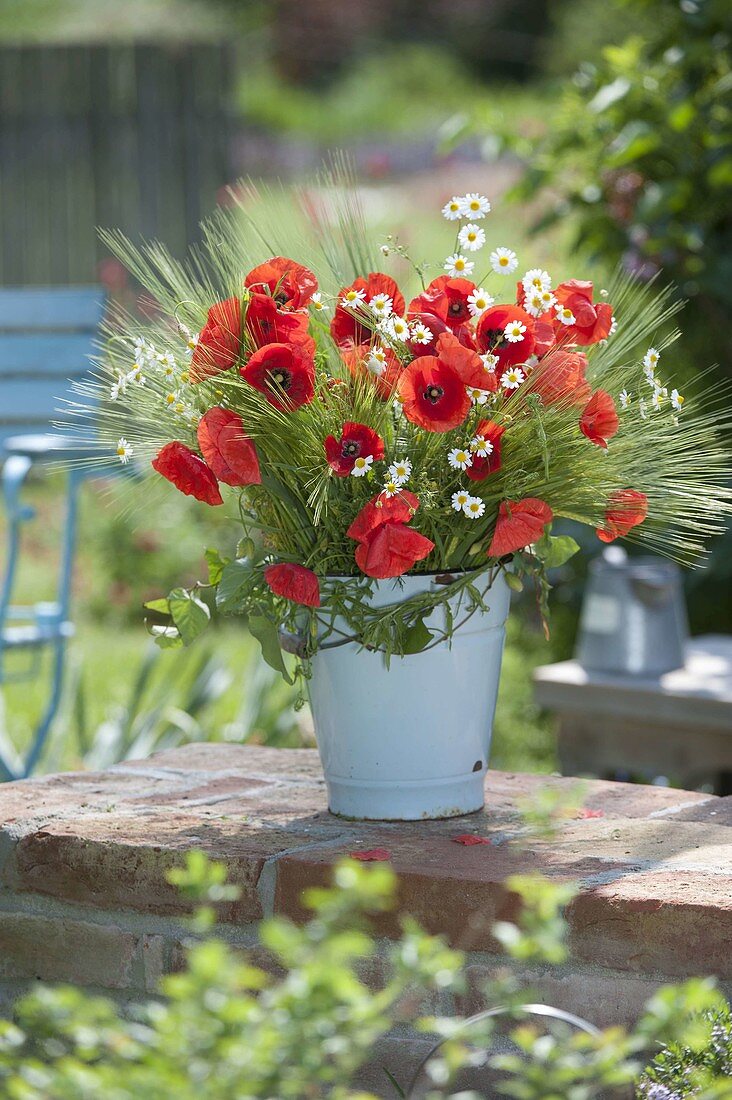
(215, 564)
(417, 637)
(189, 613)
(161, 606)
(559, 549)
(233, 584)
(265, 631)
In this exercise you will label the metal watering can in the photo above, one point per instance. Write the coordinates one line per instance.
(633, 620)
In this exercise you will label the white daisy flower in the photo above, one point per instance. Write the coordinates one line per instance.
(459, 499)
(536, 279)
(384, 249)
(643, 409)
(192, 343)
(120, 386)
(651, 358)
(489, 361)
(352, 299)
(481, 446)
(420, 333)
(397, 327)
(474, 507)
(478, 397)
(380, 305)
(650, 375)
(533, 304)
(362, 465)
(514, 332)
(456, 266)
(459, 459)
(479, 302)
(613, 326)
(317, 301)
(136, 375)
(625, 399)
(564, 315)
(471, 237)
(400, 471)
(474, 205)
(452, 210)
(512, 378)
(391, 488)
(504, 261)
(124, 451)
(166, 359)
(376, 360)
(658, 399)
(676, 400)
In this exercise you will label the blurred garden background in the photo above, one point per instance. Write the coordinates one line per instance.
(600, 131)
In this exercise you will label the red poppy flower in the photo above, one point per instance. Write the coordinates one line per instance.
(445, 298)
(519, 523)
(591, 321)
(560, 379)
(227, 449)
(490, 335)
(436, 326)
(219, 343)
(599, 421)
(284, 373)
(626, 508)
(381, 510)
(290, 284)
(294, 582)
(266, 324)
(345, 328)
(393, 549)
(356, 359)
(387, 547)
(356, 441)
(188, 472)
(433, 388)
(483, 465)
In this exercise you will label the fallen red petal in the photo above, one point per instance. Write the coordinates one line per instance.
(373, 855)
(469, 839)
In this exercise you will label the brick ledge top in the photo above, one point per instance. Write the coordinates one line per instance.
(654, 865)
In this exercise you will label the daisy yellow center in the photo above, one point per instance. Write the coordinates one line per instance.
(121, 450)
(170, 399)
(459, 265)
(461, 456)
(503, 261)
(475, 205)
(360, 463)
(473, 506)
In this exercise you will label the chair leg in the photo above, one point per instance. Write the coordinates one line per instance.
(42, 729)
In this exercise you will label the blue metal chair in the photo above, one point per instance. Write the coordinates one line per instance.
(46, 338)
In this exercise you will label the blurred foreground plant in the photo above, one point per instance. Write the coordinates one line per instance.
(226, 1030)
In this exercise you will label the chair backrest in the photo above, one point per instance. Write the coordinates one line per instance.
(46, 337)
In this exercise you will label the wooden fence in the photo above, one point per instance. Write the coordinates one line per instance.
(130, 136)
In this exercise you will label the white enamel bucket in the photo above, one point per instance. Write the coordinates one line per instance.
(411, 741)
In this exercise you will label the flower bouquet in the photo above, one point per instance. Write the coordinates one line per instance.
(396, 462)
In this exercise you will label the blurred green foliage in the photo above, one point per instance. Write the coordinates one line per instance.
(228, 1030)
(639, 155)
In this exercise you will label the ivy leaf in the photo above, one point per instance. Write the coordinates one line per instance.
(232, 586)
(265, 631)
(556, 550)
(189, 614)
(417, 637)
(215, 565)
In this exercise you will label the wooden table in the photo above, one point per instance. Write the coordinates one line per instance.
(678, 725)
